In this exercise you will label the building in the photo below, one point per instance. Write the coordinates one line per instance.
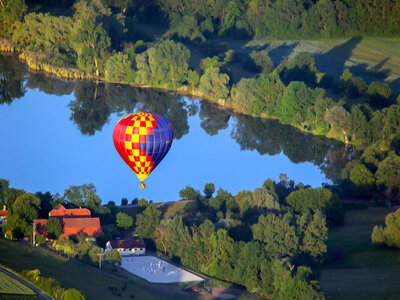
(74, 221)
(3, 215)
(127, 247)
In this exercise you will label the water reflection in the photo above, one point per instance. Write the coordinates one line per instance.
(95, 102)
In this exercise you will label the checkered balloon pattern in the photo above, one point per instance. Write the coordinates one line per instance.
(142, 140)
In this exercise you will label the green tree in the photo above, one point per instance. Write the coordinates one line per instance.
(95, 253)
(11, 11)
(260, 62)
(53, 228)
(388, 173)
(147, 222)
(362, 179)
(189, 193)
(214, 85)
(73, 294)
(379, 94)
(124, 221)
(390, 234)
(209, 189)
(339, 121)
(193, 79)
(166, 64)
(92, 44)
(114, 256)
(118, 68)
(278, 233)
(23, 212)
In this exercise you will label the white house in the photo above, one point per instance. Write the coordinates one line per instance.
(127, 247)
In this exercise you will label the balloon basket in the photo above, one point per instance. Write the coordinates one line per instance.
(142, 185)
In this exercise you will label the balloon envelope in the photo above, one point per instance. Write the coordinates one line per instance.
(142, 140)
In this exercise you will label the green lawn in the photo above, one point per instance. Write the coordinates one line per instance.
(363, 272)
(9, 285)
(91, 283)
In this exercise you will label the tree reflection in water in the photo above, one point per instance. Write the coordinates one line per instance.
(95, 102)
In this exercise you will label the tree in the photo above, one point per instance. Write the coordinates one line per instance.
(40, 239)
(11, 11)
(124, 221)
(114, 256)
(209, 189)
(73, 294)
(390, 234)
(189, 193)
(95, 254)
(379, 94)
(92, 44)
(317, 199)
(295, 101)
(166, 63)
(362, 179)
(214, 85)
(84, 195)
(147, 222)
(339, 121)
(118, 68)
(278, 233)
(388, 173)
(23, 212)
(164, 236)
(53, 228)
(260, 62)
(124, 201)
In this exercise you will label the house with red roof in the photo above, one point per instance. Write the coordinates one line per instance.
(3, 215)
(127, 247)
(74, 221)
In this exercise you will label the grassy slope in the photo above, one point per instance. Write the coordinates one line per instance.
(9, 285)
(91, 283)
(364, 272)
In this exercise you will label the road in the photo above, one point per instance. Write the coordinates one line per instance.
(26, 283)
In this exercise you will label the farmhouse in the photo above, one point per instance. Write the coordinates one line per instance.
(3, 215)
(127, 247)
(74, 221)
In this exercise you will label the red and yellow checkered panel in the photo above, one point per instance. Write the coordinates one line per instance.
(142, 140)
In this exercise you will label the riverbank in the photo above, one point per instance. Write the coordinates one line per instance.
(36, 62)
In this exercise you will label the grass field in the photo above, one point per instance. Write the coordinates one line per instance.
(9, 285)
(91, 283)
(363, 272)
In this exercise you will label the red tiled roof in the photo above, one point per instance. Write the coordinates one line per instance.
(3, 213)
(126, 244)
(61, 211)
(88, 226)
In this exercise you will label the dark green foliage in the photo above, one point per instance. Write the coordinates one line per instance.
(53, 228)
(353, 86)
(164, 64)
(278, 233)
(22, 213)
(118, 68)
(379, 94)
(363, 181)
(189, 193)
(372, 157)
(259, 62)
(301, 68)
(209, 189)
(338, 119)
(193, 79)
(84, 195)
(388, 173)
(147, 221)
(124, 221)
(73, 294)
(114, 256)
(11, 11)
(214, 85)
(316, 199)
(390, 234)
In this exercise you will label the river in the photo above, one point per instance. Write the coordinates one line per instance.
(56, 133)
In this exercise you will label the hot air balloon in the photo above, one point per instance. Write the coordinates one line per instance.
(142, 140)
